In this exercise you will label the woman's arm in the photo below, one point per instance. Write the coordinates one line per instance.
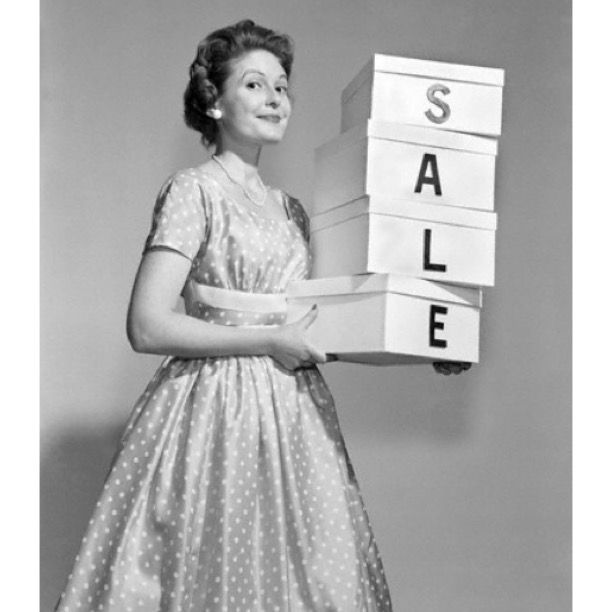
(154, 327)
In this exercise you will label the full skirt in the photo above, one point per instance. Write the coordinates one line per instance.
(231, 490)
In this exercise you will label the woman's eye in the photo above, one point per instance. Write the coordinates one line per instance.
(282, 88)
(253, 84)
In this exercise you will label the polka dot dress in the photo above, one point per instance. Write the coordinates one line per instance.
(232, 489)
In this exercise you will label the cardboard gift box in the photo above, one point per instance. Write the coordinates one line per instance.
(427, 93)
(402, 161)
(384, 319)
(376, 234)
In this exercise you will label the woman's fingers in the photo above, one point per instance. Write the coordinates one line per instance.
(316, 355)
(308, 319)
(289, 364)
(441, 367)
(459, 366)
(451, 367)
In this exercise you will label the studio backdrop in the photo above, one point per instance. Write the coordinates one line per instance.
(466, 478)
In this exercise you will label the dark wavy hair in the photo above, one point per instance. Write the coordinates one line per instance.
(212, 64)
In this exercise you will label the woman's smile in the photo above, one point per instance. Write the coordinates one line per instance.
(270, 118)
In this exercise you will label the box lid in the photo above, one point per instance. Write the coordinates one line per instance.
(412, 134)
(395, 207)
(380, 283)
(424, 68)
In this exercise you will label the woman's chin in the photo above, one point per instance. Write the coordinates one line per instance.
(268, 139)
(273, 134)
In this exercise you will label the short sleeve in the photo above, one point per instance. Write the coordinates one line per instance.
(179, 219)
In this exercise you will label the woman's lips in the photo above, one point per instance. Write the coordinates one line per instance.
(271, 118)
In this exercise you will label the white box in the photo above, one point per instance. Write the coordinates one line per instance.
(402, 161)
(374, 234)
(420, 92)
(384, 319)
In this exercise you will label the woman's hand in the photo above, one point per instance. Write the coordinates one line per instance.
(291, 348)
(451, 367)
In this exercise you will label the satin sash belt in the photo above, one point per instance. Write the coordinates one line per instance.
(230, 299)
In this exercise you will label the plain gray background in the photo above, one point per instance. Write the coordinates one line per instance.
(467, 479)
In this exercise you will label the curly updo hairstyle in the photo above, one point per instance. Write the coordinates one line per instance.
(212, 65)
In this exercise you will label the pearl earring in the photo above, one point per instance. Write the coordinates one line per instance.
(215, 113)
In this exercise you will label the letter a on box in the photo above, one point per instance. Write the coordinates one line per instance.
(429, 159)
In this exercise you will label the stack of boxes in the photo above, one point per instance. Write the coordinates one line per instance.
(403, 229)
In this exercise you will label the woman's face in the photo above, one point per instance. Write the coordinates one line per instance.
(255, 106)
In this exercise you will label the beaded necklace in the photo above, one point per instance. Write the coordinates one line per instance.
(246, 192)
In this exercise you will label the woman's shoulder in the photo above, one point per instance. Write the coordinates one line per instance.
(192, 177)
(193, 185)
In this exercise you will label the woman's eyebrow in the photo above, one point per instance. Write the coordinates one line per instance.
(249, 70)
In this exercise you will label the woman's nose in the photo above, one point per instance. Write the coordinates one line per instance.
(273, 98)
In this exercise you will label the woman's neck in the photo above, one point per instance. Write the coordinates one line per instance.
(241, 161)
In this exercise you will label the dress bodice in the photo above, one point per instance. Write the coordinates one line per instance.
(232, 246)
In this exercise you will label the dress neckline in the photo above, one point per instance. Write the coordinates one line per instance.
(251, 207)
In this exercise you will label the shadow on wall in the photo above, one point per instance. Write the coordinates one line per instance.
(74, 465)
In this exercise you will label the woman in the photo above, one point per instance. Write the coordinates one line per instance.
(232, 488)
